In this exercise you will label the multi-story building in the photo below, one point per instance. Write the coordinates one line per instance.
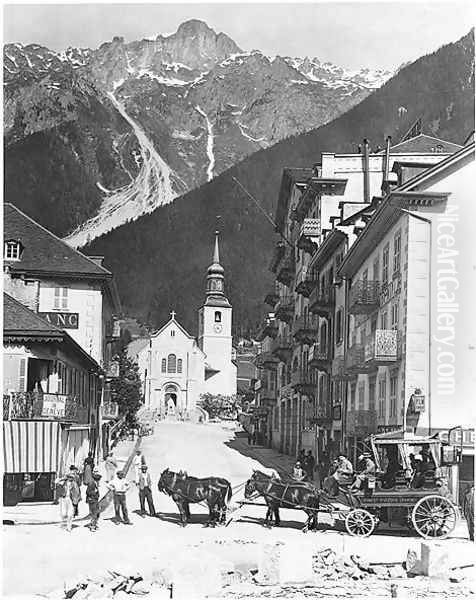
(324, 377)
(50, 403)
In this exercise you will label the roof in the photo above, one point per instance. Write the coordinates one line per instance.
(424, 143)
(289, 178)
(389, 210)
(169, 322)
(45, 253)
(22, 324)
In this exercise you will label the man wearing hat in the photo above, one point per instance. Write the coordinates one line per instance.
(92, 498)
(144, 483)
(366, 474)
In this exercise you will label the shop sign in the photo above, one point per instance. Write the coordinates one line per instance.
(54, 405)
(63, 320)
(418, 403)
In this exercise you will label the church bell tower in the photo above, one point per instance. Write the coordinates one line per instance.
(214, 331)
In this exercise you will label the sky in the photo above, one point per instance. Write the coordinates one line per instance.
(349, 34)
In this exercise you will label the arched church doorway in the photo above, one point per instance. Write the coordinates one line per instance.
(171, 400)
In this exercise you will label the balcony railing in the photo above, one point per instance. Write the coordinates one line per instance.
(322, 415)
(278, 255)
(266, 360)
(286, 267)
(320, 357)
(110, 410)
(268, 329)
(364, 297)
(306, 281)
(306, 329)
(282, 347)
(355, 360)
(42, 406)
(361, 422)
(309, 234)
(383, 347)
(284, 310)
(303, 380)
(322, 300)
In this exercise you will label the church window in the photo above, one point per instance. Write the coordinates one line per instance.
(217, 316)
(171, 363)
(172, 332)
(179, 365)
(164, 365)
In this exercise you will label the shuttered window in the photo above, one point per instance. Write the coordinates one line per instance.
(61, 298)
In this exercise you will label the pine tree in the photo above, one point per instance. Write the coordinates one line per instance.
(126, 389)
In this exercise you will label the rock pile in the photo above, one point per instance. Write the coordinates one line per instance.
(327, 564)
(117, 585)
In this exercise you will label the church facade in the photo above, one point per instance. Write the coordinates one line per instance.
(176, 369)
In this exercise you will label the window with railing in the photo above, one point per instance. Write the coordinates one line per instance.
(393, 396)
(397, 247)
(385, 261)
(382, 396)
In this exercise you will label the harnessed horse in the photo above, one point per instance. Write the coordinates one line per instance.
(186, 490)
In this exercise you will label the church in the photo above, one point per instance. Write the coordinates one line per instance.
(175, 368)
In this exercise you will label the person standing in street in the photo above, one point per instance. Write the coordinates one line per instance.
(88, 469)
(77, 477)
(92, 498)
(119, 487)
(145, 491)
(67, 491)
(309, 465)
(111, 466)
(137, 463)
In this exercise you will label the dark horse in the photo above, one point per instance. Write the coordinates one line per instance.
(285, 494)
(186, 490)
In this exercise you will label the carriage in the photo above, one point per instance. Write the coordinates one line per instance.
(410, 488)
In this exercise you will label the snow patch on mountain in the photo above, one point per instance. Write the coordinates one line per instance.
(210, 141)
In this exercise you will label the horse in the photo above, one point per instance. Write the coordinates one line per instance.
(185, 490)
(285, 494)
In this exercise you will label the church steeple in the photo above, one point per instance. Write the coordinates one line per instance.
(215, 290)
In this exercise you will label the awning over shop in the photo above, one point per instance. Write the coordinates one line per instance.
(31, 446)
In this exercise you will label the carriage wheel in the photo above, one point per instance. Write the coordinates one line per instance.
(434, 517)
(360, 522)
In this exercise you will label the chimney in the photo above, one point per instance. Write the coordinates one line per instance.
(386, 165)
(366, 171)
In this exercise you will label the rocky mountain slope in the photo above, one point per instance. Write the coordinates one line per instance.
(159, 261)
(97, 137)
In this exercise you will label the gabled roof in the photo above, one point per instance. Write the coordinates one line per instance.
(169, 322)
(43, 252)
(20, 324)
(424, 144)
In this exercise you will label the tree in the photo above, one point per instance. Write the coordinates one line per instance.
(126, 389)
(220, 406)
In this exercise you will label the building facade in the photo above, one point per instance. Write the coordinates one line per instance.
(347, 334)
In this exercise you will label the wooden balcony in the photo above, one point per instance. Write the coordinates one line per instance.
(282, 347)
(306, 329)
(322, 300)
(364, 297)
(39, 406)
(306, 281)
(361, 423)
(266, 360)
(309, 235)
(383, 347)
(286, 268)
(303, 380)
(320, 358)
(284, 310)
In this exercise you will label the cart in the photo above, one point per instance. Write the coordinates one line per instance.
(405, 492)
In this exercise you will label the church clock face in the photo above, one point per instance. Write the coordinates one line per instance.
(217, 327)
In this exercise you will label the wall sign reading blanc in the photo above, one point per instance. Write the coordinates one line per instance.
(63, 320)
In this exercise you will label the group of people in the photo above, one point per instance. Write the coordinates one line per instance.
(68, 490)
(304, 467)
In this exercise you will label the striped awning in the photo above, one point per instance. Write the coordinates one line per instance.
(31, 446)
